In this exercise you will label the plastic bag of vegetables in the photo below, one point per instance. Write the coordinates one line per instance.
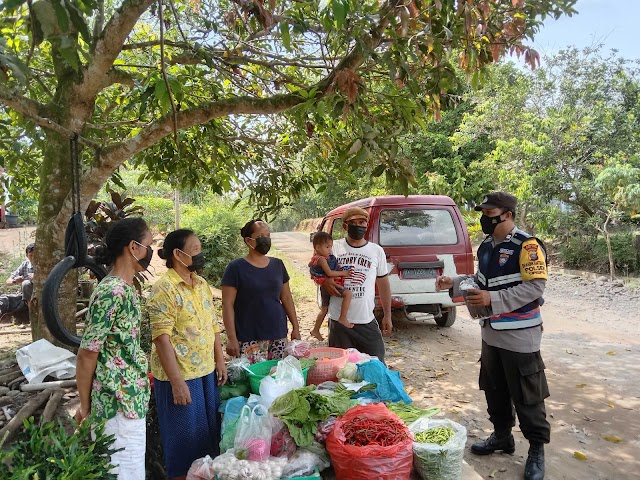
(253, 437)
(438, 448)
(201, 469)
(369, 442)
(229, 467)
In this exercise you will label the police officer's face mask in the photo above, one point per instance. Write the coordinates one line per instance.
(489, 224)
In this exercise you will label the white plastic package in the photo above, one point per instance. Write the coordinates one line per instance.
(42, 358)
(476, 311)
(288, 377)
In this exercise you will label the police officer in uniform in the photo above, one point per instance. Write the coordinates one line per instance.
(512, 274)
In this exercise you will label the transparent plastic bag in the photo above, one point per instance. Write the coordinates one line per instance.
(298, 349)
(355, 356)
(201, 469)
(435, 462)
(288, 377)
(282, 443)
(304, 464)
(237, 369)
(476, 311)
(253, 435)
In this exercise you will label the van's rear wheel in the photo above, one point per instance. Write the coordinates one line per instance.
(448, 317)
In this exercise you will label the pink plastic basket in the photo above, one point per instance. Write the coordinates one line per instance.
(330, 362)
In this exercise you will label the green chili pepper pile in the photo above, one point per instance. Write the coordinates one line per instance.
(439, 436)
(410, 413)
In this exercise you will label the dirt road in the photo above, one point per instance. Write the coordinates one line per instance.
(591, 348)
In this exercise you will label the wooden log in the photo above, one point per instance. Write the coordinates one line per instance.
(13, 332)
(34, 387)
(15, 382)
(25, 412)
(5, 371)
(52, 405)
(9, 377)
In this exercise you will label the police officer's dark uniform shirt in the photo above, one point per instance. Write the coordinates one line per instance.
(534, 279)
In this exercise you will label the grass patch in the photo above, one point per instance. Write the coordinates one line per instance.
(302, 287)
(8, 264)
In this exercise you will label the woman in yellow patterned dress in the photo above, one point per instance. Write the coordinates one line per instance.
(187, 362)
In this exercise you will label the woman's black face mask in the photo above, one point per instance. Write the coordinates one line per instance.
(263, 244)
(197, 262)
(146, 260)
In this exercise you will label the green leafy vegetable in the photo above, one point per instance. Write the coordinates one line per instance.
(302, 409)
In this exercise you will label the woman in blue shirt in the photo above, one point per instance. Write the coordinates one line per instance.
(256, 300)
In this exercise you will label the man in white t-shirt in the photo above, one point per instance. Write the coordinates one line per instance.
(368, 264)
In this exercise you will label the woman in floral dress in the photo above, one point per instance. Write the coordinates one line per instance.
(187, 361)
(111, 366)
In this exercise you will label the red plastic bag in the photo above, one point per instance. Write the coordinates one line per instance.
(365, 463)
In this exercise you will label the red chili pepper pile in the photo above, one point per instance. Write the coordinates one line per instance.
(362, 431)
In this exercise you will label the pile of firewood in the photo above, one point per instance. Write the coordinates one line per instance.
(20, 400)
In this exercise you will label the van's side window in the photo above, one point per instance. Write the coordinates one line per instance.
(336, 228)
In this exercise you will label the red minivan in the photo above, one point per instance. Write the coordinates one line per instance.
(423, 236)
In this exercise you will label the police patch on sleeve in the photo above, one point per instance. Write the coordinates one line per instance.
(532, 261)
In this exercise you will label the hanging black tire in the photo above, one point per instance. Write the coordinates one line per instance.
(50, 295)
(75, 240)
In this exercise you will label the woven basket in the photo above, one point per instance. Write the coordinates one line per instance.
(330, 362)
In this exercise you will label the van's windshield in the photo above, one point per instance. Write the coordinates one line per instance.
(417, 227)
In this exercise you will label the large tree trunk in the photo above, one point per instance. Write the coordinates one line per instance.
(55, 184)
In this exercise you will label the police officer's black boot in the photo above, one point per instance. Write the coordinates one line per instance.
(498, 440)
(534, 469)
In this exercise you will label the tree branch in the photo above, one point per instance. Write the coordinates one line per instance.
(99, 23)
(108, 46)
(118, 76)
(112, 156)
(34, 111)
(156, 43)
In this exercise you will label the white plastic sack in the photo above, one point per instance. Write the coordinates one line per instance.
(42, 358)
(288, 377)
(435, 462)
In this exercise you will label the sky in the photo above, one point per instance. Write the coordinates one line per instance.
(610, 22)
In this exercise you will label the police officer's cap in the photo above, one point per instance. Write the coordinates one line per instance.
(498, 200)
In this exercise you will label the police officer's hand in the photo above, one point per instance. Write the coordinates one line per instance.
(443, 283)
(478, 297)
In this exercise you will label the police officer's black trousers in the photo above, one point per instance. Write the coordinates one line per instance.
(515, 380)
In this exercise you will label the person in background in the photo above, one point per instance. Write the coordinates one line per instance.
(512, 275)
(111, 367)
(187, 361)
(368, 265)
(22, 276)
(256, 300)
(324, 265)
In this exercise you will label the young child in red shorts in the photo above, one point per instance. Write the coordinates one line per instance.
(324, 265)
